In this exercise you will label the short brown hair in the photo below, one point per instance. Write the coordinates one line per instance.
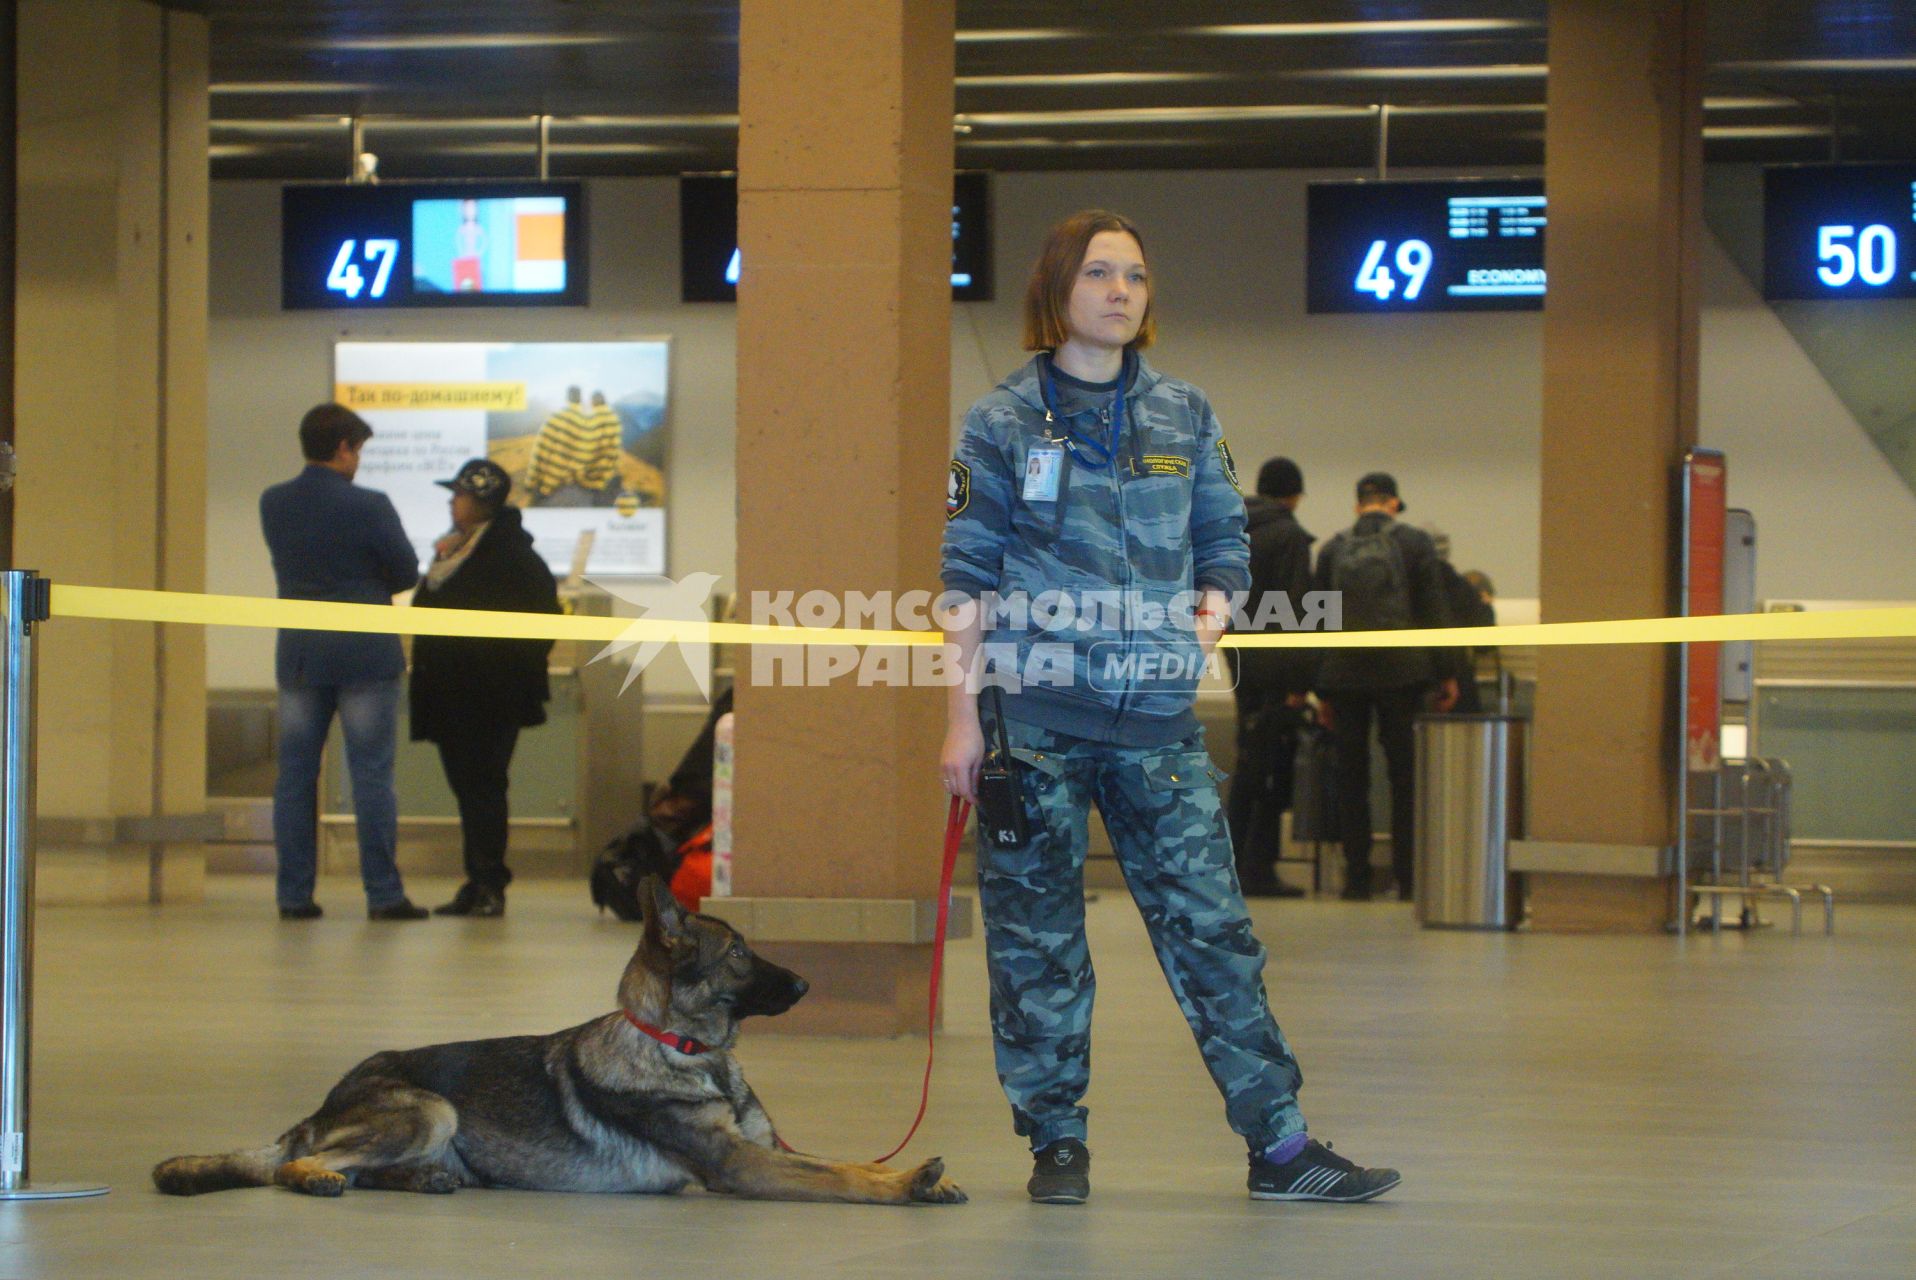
(327, 426)
(1048, 293)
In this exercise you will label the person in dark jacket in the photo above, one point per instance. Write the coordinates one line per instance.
(331, 540)
(1468, 607)
(1272, 684)
(1387, 574)
(470, 695)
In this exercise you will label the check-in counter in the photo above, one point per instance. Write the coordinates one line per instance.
(577, 780)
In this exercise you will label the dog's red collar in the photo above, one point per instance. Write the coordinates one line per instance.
(684, 1044)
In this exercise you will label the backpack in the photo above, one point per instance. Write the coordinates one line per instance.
(1370, 573)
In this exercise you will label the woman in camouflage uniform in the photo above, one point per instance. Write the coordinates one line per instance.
(1094, 537)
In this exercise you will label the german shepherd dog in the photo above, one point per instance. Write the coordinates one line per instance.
(646, 1099)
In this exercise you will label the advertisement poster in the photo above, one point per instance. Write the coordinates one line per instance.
(579, 426)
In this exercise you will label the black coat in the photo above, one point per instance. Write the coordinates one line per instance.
(1281, 562)
(463, 684)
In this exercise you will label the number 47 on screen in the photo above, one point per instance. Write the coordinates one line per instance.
(346, 278)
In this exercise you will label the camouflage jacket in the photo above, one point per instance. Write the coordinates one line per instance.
(1127, 544)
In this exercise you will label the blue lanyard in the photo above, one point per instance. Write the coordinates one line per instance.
(1088, 450)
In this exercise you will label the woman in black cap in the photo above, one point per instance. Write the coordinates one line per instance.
(471, 696)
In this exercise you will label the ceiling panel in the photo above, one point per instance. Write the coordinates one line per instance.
(448, 90)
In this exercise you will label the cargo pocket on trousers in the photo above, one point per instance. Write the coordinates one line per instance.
(1181, 771)
(1187, 813)
(1042, 774)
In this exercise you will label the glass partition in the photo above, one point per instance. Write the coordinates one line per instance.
(1849, 747)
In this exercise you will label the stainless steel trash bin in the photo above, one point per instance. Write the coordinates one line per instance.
(1469, 808)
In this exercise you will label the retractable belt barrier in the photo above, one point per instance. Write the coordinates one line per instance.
(124, 605)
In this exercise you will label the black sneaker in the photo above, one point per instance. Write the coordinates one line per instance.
(1318, 1173)
(307, 910)
(1061, 1173)
(400, 910)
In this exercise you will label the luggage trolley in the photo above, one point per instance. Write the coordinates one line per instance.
(1754, 794)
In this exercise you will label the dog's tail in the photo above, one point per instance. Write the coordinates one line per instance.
(195, 1175)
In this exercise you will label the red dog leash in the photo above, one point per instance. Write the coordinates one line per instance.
(954, 836)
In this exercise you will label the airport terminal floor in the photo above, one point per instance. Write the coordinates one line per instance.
(1741, 1105)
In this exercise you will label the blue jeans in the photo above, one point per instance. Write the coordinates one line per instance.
(369, 716)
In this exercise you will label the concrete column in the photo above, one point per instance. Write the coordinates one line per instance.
(845, 171)
(1623, 169)
(110, 397)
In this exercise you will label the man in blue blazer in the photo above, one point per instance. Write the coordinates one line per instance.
(332, 540)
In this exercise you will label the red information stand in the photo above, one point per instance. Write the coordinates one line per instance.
(1703, 492)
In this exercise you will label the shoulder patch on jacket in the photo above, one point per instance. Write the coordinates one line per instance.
(957, 489)
(1230, 464)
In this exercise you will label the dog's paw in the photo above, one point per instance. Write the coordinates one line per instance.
(323, 1184)
(929, 1185)
(439, 1183)
(172, 1178)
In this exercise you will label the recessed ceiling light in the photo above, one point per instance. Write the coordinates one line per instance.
(1163, 115)
(473, 40)
(714, 120)
(1467, 109)
(1766, 102)
(1819, 64)
(288, 86)
(390, 124)
(1013, 35)
(1067, 144)
(1734, 132)
(1389, 26)
(1088, 79)
(1496, 71)
(301, 124)
(619, 148)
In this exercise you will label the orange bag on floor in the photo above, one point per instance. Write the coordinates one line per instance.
(692, 882)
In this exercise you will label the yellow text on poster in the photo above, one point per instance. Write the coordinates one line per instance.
(493, 396)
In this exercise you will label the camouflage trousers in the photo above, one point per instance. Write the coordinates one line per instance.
(1161, 806)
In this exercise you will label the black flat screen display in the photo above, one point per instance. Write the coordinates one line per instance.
(1473, 245)
(1839, 231)
(433, 244)
(709, 258)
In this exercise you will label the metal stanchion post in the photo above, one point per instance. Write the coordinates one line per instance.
(24, 597)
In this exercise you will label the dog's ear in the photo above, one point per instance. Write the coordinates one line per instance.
(662, 910)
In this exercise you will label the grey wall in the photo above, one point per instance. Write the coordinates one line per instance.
(1451, 404)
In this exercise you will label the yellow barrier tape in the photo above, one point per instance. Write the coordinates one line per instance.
(124, 605)
(120, 604)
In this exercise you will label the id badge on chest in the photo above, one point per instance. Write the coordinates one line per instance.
(1044, 472)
